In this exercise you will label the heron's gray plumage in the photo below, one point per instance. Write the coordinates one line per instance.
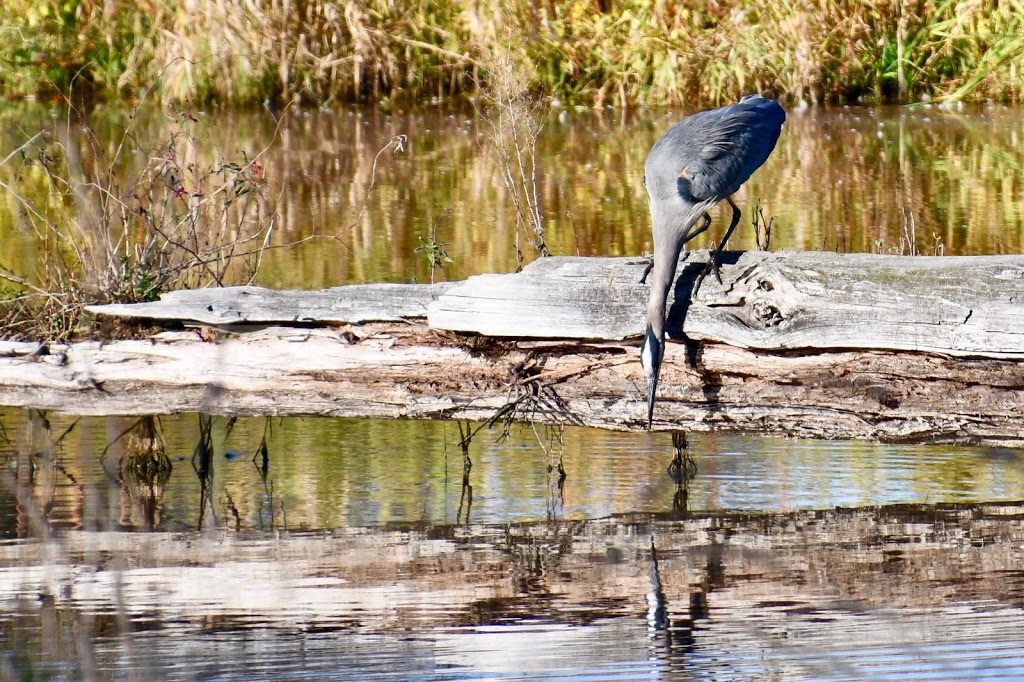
(697, 163)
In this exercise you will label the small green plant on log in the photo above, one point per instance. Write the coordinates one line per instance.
(434, 251)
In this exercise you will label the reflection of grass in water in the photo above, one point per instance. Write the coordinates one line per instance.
(336, 473)
(45, 637)
(149, 467)
(145, 467)
(956, 174)
(837, 177)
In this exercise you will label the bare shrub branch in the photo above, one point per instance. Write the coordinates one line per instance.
(108, 233)
(514, 119)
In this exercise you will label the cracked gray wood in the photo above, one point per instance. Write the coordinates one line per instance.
(355, 304)
(795, 344)
(767, 300)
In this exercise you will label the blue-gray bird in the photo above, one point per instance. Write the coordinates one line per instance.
(700, 161)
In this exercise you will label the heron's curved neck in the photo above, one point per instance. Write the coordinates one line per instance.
(666, 256)
(671, 228)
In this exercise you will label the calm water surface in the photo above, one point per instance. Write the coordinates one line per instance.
(340, 549)
(347, 549)
(851, 179)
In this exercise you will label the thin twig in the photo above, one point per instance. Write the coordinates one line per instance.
(398, 144)
(20, 149)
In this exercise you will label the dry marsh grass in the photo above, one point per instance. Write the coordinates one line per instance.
(591, 52)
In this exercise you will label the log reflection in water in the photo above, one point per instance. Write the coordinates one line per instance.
(807, 586)
(883, 557)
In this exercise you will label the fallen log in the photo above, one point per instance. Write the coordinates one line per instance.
(821, 345)
(771, 301)
(226, 306)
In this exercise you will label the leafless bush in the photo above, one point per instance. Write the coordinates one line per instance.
(514, 118)
(111, 229)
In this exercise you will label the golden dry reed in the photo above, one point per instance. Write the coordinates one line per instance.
(592, 52)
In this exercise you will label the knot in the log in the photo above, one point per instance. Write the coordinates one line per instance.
(759, 297)
(767, 313)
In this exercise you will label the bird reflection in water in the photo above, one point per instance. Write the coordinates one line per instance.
(682, 470)
(657, 608)
(673, 635)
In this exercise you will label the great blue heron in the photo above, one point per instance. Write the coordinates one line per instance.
(700, 161)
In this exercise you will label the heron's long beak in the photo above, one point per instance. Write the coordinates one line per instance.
(651, 353)
(652, 388)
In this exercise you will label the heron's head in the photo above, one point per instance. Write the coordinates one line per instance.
(651, 352)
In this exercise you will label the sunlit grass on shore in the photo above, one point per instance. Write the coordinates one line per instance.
(590, 52)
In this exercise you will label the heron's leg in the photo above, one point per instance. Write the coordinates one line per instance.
(717, 253)
(700, 230)
(647, 270)
(725, 239)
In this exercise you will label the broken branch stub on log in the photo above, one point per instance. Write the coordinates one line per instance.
(798, 344)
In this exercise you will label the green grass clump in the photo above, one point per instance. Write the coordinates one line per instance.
(628, 52)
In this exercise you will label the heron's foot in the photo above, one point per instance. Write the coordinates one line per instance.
(647, 270)
(711, 266)
(716, 267)
(697, 283)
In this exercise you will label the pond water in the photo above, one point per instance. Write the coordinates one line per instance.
(850, 179)
(352, 549)
(347, 549)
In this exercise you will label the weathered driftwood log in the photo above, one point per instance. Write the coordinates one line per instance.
(771, 301)
(797, 344)
(354, 304)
